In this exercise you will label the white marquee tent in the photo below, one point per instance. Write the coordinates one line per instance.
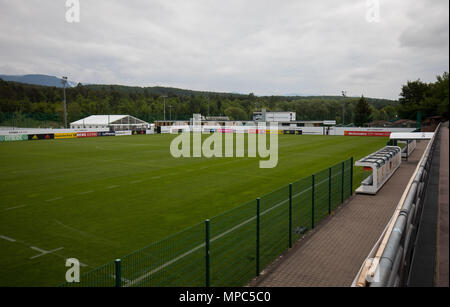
(114, 122)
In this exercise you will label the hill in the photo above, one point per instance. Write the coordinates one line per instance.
(36, 79)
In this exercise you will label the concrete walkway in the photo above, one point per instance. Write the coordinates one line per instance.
(333, 253)
(442, 236)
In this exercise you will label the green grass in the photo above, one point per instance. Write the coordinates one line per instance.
(102, 198)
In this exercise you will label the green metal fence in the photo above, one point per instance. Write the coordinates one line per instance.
(231, 248)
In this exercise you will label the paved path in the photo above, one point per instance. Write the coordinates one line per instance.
(442, 237)
(333, 253)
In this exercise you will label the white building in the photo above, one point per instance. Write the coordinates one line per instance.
(113, 122)
(273, 116)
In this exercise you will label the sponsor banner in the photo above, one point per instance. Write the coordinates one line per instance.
(106, 133)
(149, 131)
(120, 133)
(86, 134)
(71, 135)
(367, 133)
(46, 136)
(14, 137)
(136, 132)
(257, 131)
(275, 131)
(289, 131)
(225, 130)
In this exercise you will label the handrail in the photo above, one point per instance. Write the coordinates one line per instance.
(383, 262)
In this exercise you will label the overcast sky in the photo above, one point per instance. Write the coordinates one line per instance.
(266, 47)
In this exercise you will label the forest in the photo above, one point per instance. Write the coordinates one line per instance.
(37, 103)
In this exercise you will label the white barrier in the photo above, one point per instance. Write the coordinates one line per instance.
(120, 133)
(383, 164)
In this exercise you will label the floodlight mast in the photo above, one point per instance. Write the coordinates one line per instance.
(164, 98)
(344, 94)
(170, 112)
(64, 82)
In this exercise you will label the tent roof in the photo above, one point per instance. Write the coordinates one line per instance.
(100, 119)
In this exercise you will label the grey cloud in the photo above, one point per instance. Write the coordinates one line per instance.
(261, 46)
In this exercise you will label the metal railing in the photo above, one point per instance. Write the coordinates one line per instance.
(389, 262)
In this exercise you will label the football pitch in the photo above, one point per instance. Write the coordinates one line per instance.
(97, 199)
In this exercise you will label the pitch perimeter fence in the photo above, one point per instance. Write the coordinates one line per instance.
(231, 248)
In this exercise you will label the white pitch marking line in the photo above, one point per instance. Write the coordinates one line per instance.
(7, 238)
(136, 181)
(156, 177)
(132, 282)
(87, 192)
(16, 207)
(113, 186)
(53, 199)
(123, 279)
(43, 252)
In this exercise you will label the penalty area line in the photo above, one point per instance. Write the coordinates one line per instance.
(7, 238)
(53, 199)
(16, 207)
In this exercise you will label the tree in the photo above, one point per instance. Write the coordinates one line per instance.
(436, 101)
(363, 114)
(236, 113)
(411, 96)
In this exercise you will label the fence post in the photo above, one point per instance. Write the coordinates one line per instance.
(312, 211)
(290, 215)
(342, 183)
(329, 190)
(351, 176)
(257, 235)
(118, 273)
(207, 253)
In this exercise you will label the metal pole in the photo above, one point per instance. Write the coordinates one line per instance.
(207, 271)
(118, 273)
(407, 149)
(312, 202)
(290, 215)
(343, 108)
(64, 82)
(257, 234)
(342, 183)
(329, 190)
(65, 109)
(351, 176)
(164, 98)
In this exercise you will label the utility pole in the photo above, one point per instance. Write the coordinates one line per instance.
(64, 82)
(170, 111)
(344, 93)
(164, 97)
